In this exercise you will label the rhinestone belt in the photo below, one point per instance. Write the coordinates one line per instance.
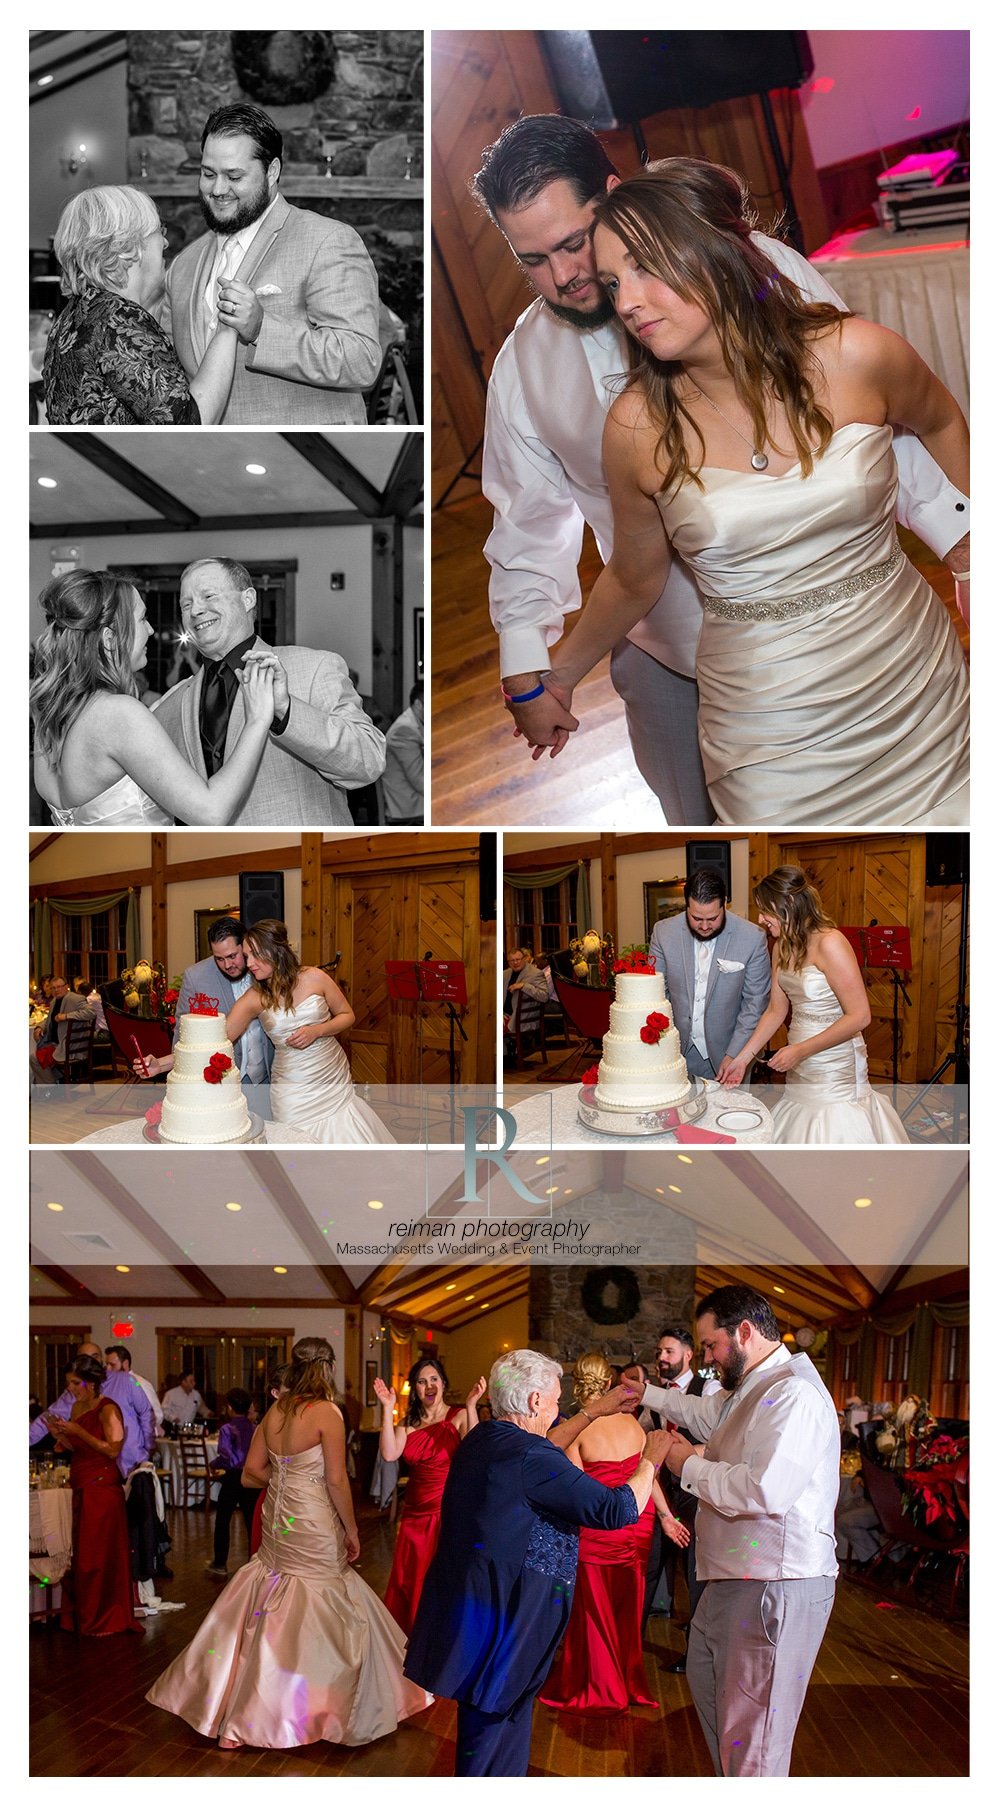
(781, 608)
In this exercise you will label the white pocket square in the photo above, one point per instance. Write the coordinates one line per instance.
(731, 966)
(268, 288)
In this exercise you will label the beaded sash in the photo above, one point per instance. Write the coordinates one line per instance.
(781, 608)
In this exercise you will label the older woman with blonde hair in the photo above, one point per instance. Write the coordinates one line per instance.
(108, 362)
(827, 1096)
(599, 1669)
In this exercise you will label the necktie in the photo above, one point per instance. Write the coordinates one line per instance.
(218, 691)
(670, 1423)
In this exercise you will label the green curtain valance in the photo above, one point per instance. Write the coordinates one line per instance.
(84, 907)
(552, 876)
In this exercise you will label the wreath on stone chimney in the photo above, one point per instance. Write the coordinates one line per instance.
(617, 1311)
(283, 68)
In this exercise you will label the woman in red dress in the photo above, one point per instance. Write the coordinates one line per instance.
(97, 1589)
(600, 1669)
(426, 1441)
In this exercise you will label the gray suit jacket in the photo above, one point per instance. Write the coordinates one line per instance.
(329, 745)
(56, 1033)
(204, 976)
(318, 344)
(739, 981)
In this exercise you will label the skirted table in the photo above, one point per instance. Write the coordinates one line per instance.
(129, 1130)
(50, 1547)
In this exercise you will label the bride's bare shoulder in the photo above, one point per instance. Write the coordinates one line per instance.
(629, 412)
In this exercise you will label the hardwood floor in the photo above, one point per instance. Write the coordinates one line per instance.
(478, 775)
(888, 1698)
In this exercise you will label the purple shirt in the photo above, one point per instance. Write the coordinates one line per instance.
(136, 1412)
(234, 1442)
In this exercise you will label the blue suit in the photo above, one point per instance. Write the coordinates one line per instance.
(498, 1594)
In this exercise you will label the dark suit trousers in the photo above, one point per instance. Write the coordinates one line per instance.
(233, 1498)
(493, 1745)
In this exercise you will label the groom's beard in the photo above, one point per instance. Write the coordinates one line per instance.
(698, 935)
(243, 215)
(584, 320)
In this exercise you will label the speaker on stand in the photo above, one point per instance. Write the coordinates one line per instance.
(261, 895)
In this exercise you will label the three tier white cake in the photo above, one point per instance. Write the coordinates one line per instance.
(195, 1109)
(638, 1075)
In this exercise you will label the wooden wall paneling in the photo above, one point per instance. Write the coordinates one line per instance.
(942, 931)
(312, 901)
(158, 897)
(447, 924)
(488, 986)
(364, 932)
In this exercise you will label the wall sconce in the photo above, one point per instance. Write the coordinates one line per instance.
(76, 159)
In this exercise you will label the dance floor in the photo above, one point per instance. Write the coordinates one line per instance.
(889, 1698)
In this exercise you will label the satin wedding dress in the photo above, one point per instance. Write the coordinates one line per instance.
(827, 1098)
(123, 803)
(832, 685)
(297, 1647)
(311, 1088)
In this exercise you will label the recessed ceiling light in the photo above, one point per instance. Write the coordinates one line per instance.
(468, 1297)
(659, 1190)
(232, 1206)
(44, 80)
(551, 1189)
(688, 1159)
(540, 1161)
(485, 1306)
(673, 1189)
(279, 1270)
(256, 470)
(778, 1289)
(451, 1286)
(122, 1268)
(375, 1205)
(567, 1191)
(53, 1207)
(862, 1202)
(47, 483)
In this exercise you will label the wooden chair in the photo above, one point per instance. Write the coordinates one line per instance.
(196, 1473)
(527, 1024)
(390, 398)
(79, 1051)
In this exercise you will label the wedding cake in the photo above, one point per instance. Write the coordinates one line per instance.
(205, 1102)
(641, 1065)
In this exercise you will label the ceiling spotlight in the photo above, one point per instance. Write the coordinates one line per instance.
(47, 483)
(468, 1297)
(540, 1161)
(551, 1189)
(862, 1202)
(231, 1206)
(778, 1289)
(122, 1268)
(375, 1205)
(672, 1188)
(485, 1306)
(279, 1270)
(53, 1207)
(256, 470)
(688, 1159)
(44, 80)
(451, 1286)
(659, 1190)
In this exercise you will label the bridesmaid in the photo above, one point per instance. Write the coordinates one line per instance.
(97, 1590)
(426, 1441)
(599, 1669)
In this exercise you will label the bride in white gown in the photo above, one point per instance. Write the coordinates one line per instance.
(827, 1096)
(303, 1012)
(101, 757)
(753, 436)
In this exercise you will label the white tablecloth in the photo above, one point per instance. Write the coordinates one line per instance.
(917, 283)
(50, 1532)
(169, 1455)
(130, 1129)
(544, 1116)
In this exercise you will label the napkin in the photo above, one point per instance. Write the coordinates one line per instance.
(689, 1133)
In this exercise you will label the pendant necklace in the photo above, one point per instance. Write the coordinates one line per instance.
(758, 457)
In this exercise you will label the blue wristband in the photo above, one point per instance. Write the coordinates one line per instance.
(526, 697)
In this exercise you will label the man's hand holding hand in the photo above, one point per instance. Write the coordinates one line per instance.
(239, 308)
(617, 1399)
(544, 722)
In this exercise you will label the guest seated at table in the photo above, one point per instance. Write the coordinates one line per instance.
(97, 1589)
(183, 1404)
(234, 1442)
(108, 363)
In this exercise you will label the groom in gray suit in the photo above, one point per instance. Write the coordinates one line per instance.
(224, 976)
(300, 289)
(321, 744)
(717, 972)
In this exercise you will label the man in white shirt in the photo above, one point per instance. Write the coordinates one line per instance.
(117, 1356)
(675, 1366)
(766, 1480)
(550, 389)
(181, 1405)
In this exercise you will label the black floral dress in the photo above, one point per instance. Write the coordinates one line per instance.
(109, 364)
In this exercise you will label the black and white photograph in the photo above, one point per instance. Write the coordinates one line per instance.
(226, 226)
(223, 629)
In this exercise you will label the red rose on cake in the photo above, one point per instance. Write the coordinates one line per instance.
(153, 1115)
(590, 1077)
(648, 1035)
(222, 1063)
(657, 1021)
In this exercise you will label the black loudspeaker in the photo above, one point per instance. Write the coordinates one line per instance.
(487, 878)
(614, 78)
(262, 895)
(711, 853)
(947, 859)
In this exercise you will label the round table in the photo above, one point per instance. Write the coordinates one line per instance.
(129, 1130)
(544, 1117)
(50, 1533)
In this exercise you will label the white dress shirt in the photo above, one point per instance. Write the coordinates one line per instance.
(549, 392)
(703, 952)
(230, 250)
(180, 1407)
(768, 1482)
(153, 1397)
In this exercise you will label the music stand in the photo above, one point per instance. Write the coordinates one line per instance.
(433, 982)
(887, 945)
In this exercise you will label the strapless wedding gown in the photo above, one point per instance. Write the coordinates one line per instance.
(123, 803)
(297, 1646)
(311, 1088)
(832, 685)
(827, 1098)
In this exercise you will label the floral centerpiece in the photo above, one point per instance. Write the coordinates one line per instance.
(930, 1487)
(147, 993)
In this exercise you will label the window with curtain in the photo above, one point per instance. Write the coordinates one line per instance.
(950, 1372)
(51, 1352)
(93, 948)
(845, 1366)
(543, 919)
(220, 1362)
(892, 1367)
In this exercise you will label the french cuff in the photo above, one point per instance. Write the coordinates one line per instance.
(940, 520)
(523, 650)
(280, 723)
(690, 1474)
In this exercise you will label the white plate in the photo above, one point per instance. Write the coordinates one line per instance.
(733, 1121)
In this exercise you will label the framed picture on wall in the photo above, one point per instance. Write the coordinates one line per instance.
(371, 1370)
(661, 898)
(203, 920)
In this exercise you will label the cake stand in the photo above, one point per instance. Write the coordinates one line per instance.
(254, 1134)
(646, 1121)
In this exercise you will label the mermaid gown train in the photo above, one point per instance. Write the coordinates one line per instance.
(832, 686)
(297, 1647)
(312, 1088)
(827, 1098)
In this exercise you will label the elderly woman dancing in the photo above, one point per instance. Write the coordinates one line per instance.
(108, 362)
(499, 1592)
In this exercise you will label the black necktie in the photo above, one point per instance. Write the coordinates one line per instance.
(217, 693)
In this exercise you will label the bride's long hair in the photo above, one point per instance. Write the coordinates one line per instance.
(310, 1376)
(689, 222)
(268, 940)
(787, 894)
(86, 646)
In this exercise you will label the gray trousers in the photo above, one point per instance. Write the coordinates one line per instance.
(751, 1653)
(661, 710)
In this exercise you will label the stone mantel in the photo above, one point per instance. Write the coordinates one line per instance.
(331, 187)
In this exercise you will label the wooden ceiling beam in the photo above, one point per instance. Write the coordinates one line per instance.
(786, 1209)
(110, 1188)
(406, 480)
(338, 471)
(62, 1278)
(268, 1173)
(212, 524)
